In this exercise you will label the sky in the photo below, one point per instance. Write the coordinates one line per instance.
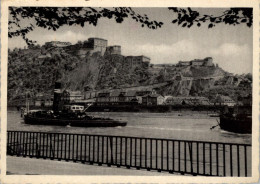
(231, 47)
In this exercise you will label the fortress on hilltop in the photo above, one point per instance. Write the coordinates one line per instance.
(99, 45)
(208, 61)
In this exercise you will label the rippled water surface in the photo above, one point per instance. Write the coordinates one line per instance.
(188, 126)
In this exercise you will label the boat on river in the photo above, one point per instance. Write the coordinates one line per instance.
(237, 119)
(236, 124)
(73, 115)
(66, 114)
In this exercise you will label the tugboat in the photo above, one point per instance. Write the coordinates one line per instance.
(67, 115)
(237, 119)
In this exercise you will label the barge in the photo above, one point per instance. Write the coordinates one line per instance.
(237, 119)
(72, 118)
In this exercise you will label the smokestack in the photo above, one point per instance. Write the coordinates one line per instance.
(57, 97)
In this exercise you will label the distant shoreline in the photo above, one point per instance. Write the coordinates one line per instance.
(141, 109)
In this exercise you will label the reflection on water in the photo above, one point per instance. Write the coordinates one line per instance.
(158, 125)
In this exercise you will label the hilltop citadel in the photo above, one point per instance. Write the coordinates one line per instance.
(100, 46)
(93, 71)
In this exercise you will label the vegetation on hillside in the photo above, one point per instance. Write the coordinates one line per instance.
(35, 71)
(27, 73)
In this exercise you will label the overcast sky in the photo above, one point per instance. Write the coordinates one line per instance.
(229, 46)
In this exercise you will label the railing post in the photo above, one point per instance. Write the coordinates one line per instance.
(93, 149)
(151, 153)
(102, 150)
(198, 163)
(77, 145)
(107, 151)
(145, 152)
(204, 161)
(140, 141)
(85, 154)
(30, 144)
(161, 155)
(61, 148)
(120, 151)
(167, 150)
(73, 147)
(231, 164)
(89, 152)
(156, 154)
(116, 150)
(98, 150)
(126, 151)
(39, 146)
(238, 161)
(179, 155)
(245, 153)
(58, 145)
(111, 148)
(131, 150)
(69, 146)
(135, 151)
(173, 156)
(185, 162)
(54, 144)
(210, 160)
(8, 139)
(81, 142)
(17, 144)
(47, 146)
(224, 160)
(23, 144)
(65, 146)
(217, 159)
(11, 143)
(190, 150)
(51, 146)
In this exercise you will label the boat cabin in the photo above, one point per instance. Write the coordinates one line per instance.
(73, 108)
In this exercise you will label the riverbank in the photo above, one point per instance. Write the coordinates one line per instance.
(139, 108)
(33, 166)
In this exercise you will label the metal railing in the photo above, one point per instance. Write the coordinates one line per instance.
(173, 156)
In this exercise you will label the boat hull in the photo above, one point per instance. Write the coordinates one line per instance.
(78, 123)
(243, 126)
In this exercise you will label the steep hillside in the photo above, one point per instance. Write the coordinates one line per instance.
(109, 71)
(36, 70)
(30, 71)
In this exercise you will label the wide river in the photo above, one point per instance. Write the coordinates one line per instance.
(188, 126)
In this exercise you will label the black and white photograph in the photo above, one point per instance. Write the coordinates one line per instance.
(130, 90)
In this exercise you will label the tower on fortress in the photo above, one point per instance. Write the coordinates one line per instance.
(96, 45)
(115, 49)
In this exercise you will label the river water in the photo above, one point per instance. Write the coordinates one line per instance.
(174, 125)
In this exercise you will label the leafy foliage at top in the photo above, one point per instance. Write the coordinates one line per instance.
(233, 16)
(52, 18)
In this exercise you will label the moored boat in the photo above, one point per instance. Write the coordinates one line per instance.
(79, 119)
(64, 114)
(91, 122)
(236, 124)
(237, 119)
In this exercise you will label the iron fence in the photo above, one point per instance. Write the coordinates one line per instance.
(173, 156)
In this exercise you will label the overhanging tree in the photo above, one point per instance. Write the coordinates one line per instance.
(52, 18)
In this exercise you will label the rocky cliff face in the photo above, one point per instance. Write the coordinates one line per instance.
(109, 71)
(30, 70)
